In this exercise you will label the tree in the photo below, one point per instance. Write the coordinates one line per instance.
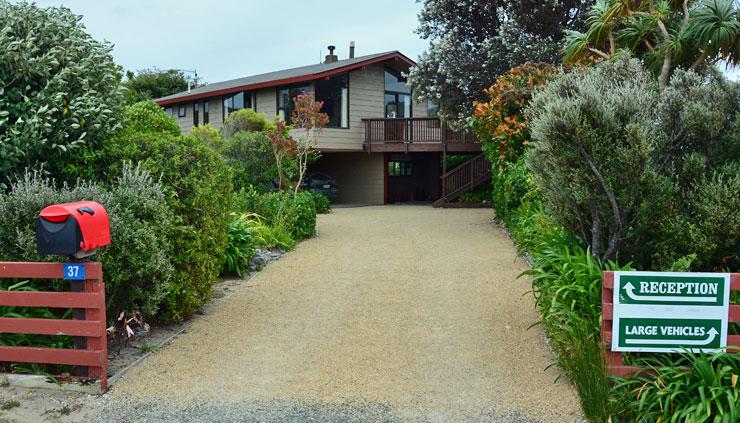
(472, 42)
(666, 35)
(149, 84)
(59, 89)
(283, 147)
(638, 173)
(308, 121)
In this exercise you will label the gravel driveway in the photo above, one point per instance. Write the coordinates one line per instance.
(390, 313)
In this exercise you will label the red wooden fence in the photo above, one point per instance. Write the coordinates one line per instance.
(88, 323)
(614, 361)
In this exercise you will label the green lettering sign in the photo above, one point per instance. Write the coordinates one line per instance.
(670, 311)
(672, 290)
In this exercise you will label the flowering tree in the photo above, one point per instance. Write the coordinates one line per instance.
(308, 121)
(283, 145)
(500, 122)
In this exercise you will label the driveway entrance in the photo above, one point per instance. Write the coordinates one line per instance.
(390, 313)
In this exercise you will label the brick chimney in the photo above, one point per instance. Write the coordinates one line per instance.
(331, 57)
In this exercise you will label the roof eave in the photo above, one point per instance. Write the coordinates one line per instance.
(285, 81)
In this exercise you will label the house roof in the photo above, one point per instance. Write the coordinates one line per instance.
(282, 77)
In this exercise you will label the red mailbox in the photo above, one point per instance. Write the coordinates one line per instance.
(72, 229)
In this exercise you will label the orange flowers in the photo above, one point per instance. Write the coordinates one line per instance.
(500, 120)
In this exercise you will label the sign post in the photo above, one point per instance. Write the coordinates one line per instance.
(670, 312)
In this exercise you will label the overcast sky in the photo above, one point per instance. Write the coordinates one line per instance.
(225, 39)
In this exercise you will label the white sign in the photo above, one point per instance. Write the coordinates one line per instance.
(670, 311)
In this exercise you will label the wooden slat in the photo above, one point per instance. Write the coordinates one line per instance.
(49, 299)
(607, 280)
(22, 270)
(53, 356)
(734, 314)
(88, 328)
(734, 340)
(607, 311)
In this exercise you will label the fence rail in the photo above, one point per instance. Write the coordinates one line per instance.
(88, 325)
(614, 362)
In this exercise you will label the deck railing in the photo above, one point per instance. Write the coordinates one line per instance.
(413, 130)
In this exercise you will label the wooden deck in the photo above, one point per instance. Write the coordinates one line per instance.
(409, 135)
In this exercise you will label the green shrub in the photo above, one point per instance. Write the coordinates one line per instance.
(322, 203)
(295, 214)
(208, 135)
(250, 155)
(198, 189)
(268, 236)
(240, 247)
(60, 92)
(510, 187)
(245, 120)
(270, 206)
(613, 159)
(692, 388)
(137, 264)
(301, 218)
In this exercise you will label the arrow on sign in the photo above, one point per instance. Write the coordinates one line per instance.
(712, 334)
(631, 293)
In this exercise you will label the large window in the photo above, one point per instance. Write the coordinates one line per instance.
(168, 110)
(205, 112)
(195, 113)
(285, 104)
(334, 92)
(182, 111)
(397, 96)
(236, 101)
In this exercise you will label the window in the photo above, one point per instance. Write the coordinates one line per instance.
(168, 110)
(285, 96)
(397, 96)
(195, 113)
(399, 168)
(182, 111)
(432, 109)
(236, 101)
(205, 112)
(334, 92)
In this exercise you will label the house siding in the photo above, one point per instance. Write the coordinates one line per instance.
(366, 89)
(366, 101)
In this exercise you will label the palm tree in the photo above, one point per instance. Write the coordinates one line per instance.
(665, 33)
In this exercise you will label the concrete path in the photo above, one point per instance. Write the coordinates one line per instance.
(390, 313)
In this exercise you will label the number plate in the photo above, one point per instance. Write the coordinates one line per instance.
(74, 272)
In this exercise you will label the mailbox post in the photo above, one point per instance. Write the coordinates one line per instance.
(75, 230)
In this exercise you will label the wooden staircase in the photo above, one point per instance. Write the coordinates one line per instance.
(464, 178)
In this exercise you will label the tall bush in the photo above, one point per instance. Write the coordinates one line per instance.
(250, 156)
(60, 92)
(198, 189)
(138, 267)
(614, 158)
(596, 153)
(500, 123)
(245, 120)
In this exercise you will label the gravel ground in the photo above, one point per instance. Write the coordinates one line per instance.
(395, 313)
